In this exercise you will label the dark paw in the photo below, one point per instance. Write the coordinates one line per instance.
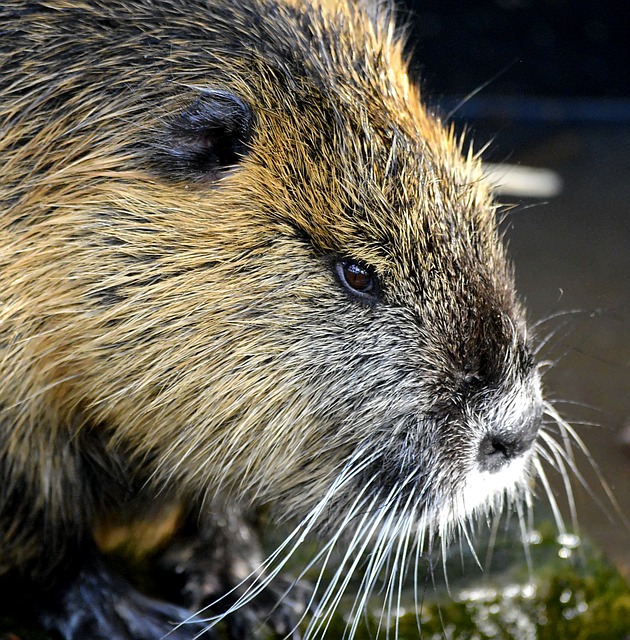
(279, 607)
(274, 608)
(211, 575)
(99, 605)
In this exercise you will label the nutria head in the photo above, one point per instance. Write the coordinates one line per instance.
(243, 253)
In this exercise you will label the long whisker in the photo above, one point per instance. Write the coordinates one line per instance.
(494, 530)
(565, 314)
(563, 458)
(524, 538)
(571, 434)
(258, 581)
(379, 555)
(357, 547)
(389, 533)
(552, 500)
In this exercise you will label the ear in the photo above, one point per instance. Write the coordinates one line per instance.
(207, 138)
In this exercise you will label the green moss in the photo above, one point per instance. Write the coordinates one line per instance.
(586, 604)
(582, 597)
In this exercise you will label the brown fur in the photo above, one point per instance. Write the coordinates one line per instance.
(169, 333)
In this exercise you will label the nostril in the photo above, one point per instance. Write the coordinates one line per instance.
(495, 451)
(494, 447)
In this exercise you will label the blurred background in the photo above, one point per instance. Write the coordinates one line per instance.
(548, 85)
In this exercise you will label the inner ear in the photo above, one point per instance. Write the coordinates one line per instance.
(210, 136)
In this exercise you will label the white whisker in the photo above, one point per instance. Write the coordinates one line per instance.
(524, 538)
(389, 533)
(564, 459)
(552, 500)
(569, 436)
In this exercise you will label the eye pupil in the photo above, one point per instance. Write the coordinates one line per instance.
(357, 277)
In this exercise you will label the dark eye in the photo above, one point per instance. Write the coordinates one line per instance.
(359, 278)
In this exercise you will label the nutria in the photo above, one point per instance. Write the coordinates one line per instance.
(241, 265)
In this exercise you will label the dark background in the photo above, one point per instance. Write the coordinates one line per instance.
(563, 48)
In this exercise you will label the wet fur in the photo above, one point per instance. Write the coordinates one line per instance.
(171, 321)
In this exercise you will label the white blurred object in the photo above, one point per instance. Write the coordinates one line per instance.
(525, 182)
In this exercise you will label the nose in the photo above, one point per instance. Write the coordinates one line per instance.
(499, 448)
